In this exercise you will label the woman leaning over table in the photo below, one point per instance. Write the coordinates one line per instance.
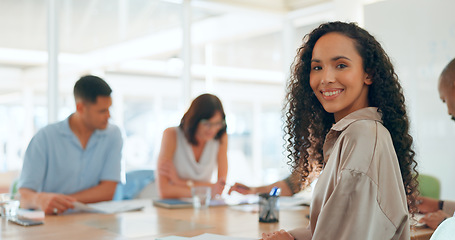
(192, 151)
(347, 117)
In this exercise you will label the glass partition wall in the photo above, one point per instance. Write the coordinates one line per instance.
(239, 52)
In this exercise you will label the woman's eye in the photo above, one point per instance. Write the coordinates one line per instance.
(317, 68)
(341, 65)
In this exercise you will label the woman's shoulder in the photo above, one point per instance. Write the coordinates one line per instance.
(364, 138)
(170, 133)
(362, 129)
(366, 134)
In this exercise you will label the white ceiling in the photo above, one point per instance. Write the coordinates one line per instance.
(92, 27)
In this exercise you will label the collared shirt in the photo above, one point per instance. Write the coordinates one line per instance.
(56, 162)
(360, 193)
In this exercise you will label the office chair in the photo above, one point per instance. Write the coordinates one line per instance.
(136, 180)
(429, 186)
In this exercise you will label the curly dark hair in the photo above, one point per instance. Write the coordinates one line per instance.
(307, 123)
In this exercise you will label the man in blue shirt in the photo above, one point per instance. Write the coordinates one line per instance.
(77, 159)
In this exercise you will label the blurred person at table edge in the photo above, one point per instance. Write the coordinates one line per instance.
(436, 211)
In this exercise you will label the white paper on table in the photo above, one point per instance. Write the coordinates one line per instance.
(109, 206)
(210, 236)
(31, 214)
(415, 221)
(253, 208)
(172, 238)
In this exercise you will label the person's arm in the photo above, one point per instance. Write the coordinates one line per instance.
(289, 186)
(448, 207)
(433, 219)
(110, 174)
(32, 178)
(47, 202)
(297, 234)
(243, 189)
(104, 191)
(277, 235)
(165, 167)
(218, 187)
(427, 205)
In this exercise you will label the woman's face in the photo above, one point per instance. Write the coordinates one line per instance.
(208, 128)
(337, 76)
(447, 94)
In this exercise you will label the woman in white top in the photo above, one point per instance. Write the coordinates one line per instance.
(191, 152)
(347, 117)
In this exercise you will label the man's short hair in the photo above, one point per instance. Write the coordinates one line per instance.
(448, 74)
(89, 87)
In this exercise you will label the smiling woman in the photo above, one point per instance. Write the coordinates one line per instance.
(347, 117)
(337, 76)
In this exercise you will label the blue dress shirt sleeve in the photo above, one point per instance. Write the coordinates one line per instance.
(112, 165)
(35, 163)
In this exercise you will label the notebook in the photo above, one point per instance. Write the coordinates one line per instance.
(172, 203)
(184, 203)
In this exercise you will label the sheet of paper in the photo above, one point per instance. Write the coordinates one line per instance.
(172, 238)
(415, 221)
(210, 236)
(236, 199)
(205, 236)
(80, 207)
(213, 202)
(31, 214)
(110, 206)
(253, 208)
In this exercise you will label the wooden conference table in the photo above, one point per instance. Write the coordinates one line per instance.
(153, 222)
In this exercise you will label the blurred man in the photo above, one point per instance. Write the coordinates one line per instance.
(77, 159)
(437, 210)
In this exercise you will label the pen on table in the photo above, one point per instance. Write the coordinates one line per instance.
(275, 191)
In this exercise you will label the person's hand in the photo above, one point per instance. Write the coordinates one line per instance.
(218, 187)
(54, 203)
(278, 235)
(427, 205)
(168, 170)
(433, 219)
(241, 188)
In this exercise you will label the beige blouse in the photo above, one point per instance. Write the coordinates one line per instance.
(360, 193)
